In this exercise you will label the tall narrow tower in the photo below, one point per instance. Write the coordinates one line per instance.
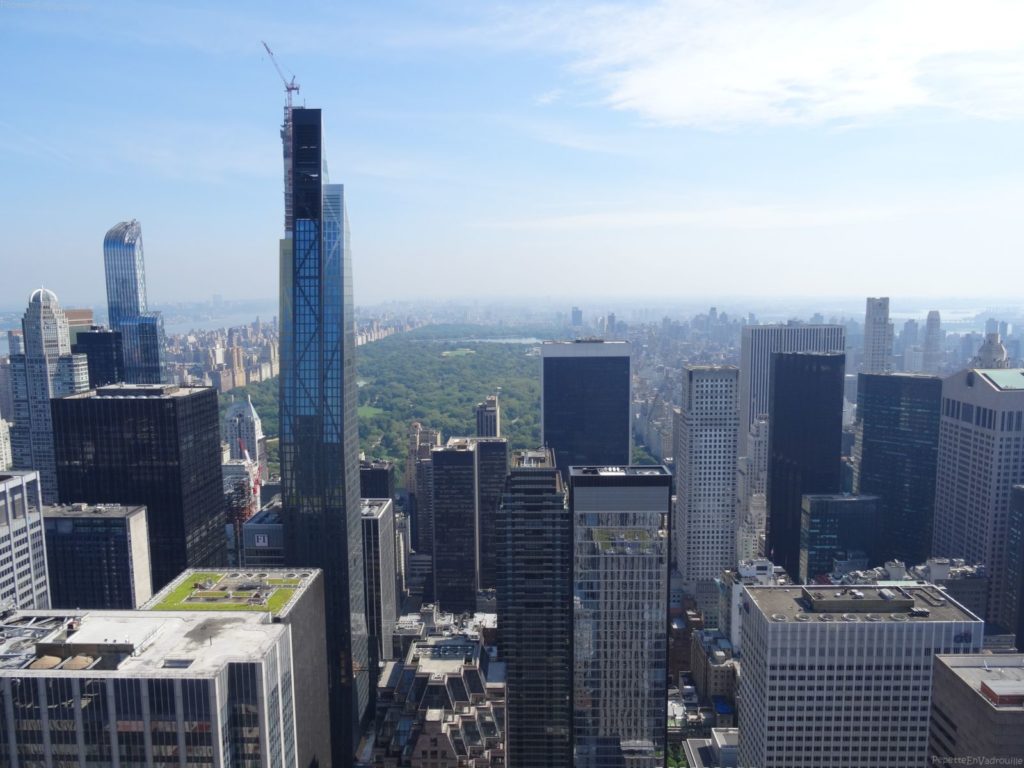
(43, 369)
(877, 336)
(142, 331)
(319, 433)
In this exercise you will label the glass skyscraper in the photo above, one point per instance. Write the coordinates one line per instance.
(319, 434)
(620, 645)
(142, 331)
(896, 455)
(585, 402)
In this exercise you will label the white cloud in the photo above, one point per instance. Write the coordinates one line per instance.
(724, 64)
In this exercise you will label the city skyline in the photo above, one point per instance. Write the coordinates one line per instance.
(566, 137)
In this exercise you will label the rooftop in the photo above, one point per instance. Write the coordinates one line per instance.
(540, 458)
(373, 507)
(92, 510)
(115, 643)
(269, 515)
(913, 602)
(1004, 378)
(999, 678)
(444, 655)
(260, 591)
(636, 470)
(149, 391)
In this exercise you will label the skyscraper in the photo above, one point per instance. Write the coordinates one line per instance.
(98, 556)
(895, 455)
(620, 579)
(834, 526)
(142, 331)
(704, 528)
(22, 548)
(455, 525)
(979, 461)
(535, 612)
(805, 434)
(154, 445)
(843, 678)
(45, 369)
(488, 417)
(758, 344)
(319, 440)
(104, 354)
(878, 335)
(243, 431)
(934, 355)
(379, 559)
(491, 471)
(585, 402)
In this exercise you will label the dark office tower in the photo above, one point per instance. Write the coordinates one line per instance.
(424, 512)
(319, 435)
(104, 355)
(97, 556)
(142, 331)
(805, 437)
(576, 317)
(455, 519)
(834, 527)
(535, 612)
(491, 471)
(895, 454)
(620, 638)
(377, 479)
(1012, 590)
(488, 417)
(585, 402)
(157, 446)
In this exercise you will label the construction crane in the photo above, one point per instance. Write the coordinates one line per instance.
(289, 86)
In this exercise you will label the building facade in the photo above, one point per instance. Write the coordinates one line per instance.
(488, 417)
(243, 431)
(104, 354)
(535, 612)
(805, 426)
(6, 456)
(586, 408)
(977, 709)
(895, 457)
(379, 560)
(23, 567)
(151, 445)
(491, 471)
(455, 496)
(377, 479)
(620, 582)
(98, 556)
(43, 368)
(835, 527)
(757, 345)
(319, 433)
(704, 525)
(981, 438)
(843, 678)
(142, 331)
(878, 336)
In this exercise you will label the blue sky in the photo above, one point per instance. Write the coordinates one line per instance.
(529, 149)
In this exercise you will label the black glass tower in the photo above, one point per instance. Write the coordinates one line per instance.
(104, 354)
(377, 479)
(895, 456)
(535, 612)
(151, 445)
(319, 441)
(836, 526)
(491, 472)
(805, 436)
(585, 403)
(455, 515)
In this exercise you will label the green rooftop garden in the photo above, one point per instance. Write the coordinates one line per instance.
(201, 592)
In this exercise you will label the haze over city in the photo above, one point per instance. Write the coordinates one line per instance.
(529, 149)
